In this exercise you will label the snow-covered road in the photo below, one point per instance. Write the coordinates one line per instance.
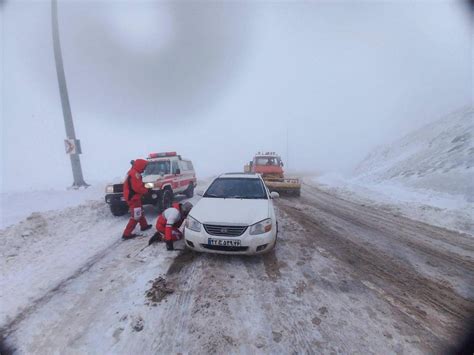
(344, 277)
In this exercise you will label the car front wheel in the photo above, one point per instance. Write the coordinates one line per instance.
(118, 209)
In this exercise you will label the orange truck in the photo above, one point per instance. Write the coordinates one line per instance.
(270, 166)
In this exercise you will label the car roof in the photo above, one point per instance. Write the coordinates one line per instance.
(240, 175)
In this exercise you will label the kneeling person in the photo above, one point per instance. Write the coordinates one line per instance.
(169, 222)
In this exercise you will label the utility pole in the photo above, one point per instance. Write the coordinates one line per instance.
(287, 152)
(73, 147)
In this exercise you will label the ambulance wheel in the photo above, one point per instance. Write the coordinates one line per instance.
(158, 204)
(167, 198)
(118, 209)
(189, 191)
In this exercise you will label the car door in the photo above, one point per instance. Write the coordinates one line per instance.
(271, 206)
(191, 173)
(179, 180)
(186, 175)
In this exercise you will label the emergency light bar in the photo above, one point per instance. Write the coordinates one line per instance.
(266, 153)
(161, 155)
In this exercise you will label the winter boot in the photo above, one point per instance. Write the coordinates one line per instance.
(169, 245)
(156, 238)
(127, 237)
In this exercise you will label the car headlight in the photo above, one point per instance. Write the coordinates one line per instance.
(261, 227)
(193, 224)
(109, 189)
(149, 185)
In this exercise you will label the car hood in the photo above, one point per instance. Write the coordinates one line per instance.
(153, 177)
(230, 210)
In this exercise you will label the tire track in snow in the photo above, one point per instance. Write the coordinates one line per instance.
(425, 243)
(99, 214)
(176, 312)
(12, 325)
(434, 306)
(377, 217)
(405, 247)
(274, 303)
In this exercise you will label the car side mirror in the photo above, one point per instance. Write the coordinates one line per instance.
(274, 194)
(178, 171)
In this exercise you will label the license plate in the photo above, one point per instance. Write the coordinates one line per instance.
(224, 242)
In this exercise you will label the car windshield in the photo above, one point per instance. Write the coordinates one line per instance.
(237, 188)
(161, 167)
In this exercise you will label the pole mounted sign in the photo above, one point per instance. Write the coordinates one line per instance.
(73, 146)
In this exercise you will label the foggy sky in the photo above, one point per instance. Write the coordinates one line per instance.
(219, 81)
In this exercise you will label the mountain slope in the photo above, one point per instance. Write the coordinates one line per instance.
(438, 157)
(427, 175)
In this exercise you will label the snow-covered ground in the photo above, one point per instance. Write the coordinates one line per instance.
(343, 278)
(36, 229)
(427, 175)
(432, 207)
(438, 157)
(57, 243)
(47, 247)
(16, 206)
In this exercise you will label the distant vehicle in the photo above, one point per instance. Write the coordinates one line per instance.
(234, 216)
(167, 174)
(270, 167)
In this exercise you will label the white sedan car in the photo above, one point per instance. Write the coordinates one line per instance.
(234, 216)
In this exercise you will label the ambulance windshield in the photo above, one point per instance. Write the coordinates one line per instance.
(161, 167)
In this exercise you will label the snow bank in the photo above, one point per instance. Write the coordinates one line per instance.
(48, 247)
(432, 207)
(16, 206)
(56, 243)
(428, 175)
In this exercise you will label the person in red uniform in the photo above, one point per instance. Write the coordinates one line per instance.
(133, 190)
(169, 222)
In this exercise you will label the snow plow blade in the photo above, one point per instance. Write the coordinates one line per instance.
(285, 186)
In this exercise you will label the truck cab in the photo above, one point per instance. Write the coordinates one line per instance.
(267, 165)
(270, 167)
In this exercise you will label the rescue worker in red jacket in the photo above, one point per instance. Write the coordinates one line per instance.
(133, 190)
(169, 222)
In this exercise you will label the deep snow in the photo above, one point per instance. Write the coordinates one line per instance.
(49, 236)
(16, 206)
(334, 283)
(428, 175)
(432, 207)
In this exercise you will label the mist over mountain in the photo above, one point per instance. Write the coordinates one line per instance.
(438, 156)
